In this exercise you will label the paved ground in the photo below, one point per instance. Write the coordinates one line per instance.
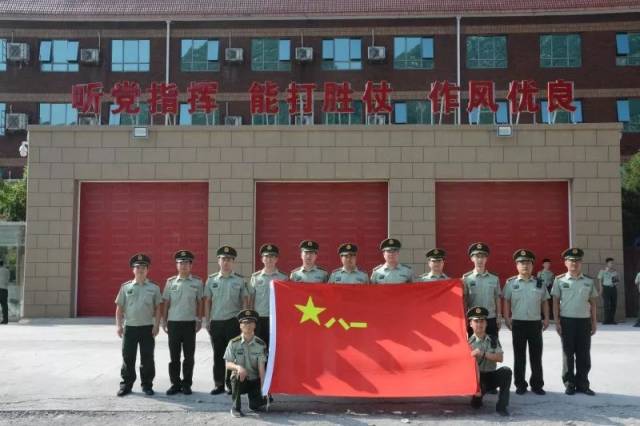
(66, 372)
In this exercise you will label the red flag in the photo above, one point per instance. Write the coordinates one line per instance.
(405, 340)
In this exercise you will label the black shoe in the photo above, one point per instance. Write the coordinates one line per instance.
(235, 412)
(637, 324)
(186, 390)
(270, 399)
(570, 390)
(521, 390)
(586, 391)
(174, 389)
(538, 391)
(148, 391)
(123, 391)
(492, 392)
(476, 401)
(217, 390)
(503, 412)
(4, 322)
(228, 391)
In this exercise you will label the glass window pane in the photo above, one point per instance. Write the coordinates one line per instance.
(355, 49)
(577, 114)
(400, 112)
(474, 116)
(45, 51)
(212, 50)
(116, 54)
(185, 117)
(199, 51)
(60, 51)
(131, 51)
(72, 51)
(185, 48)
(45, 114)
(502, 115)
(58, 114)
(327, 49)
(341, 49)
(144, 51)
(427, 48)
(114, 119)
(398, 47)
(622, 44)
(544, 112)
(284, 50)
(3, 57)
(623, 110)
(2, 123)
(72, 115)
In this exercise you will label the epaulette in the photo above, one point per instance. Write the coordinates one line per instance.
(588, 276)
(378, 267)
(126, 282)
(213, 275)
(321, 268)
(238, 275)
(196, 277)
(259, 341)
(491, 273)
(236, 339)
(151, 282)
(406, 266)
(296, 270)
(467, 274)
(172, 277)
(256, 273)
(336, 270)
(560, 275)
(512, 278)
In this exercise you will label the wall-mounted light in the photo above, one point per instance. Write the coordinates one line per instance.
(141, 132)
(505, 131)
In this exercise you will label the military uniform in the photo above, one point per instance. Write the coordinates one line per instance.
(575, 295)
(609, 280)
(526, 297)
(385, 274)
(344, 276)
(184, 296)
(433, 254)
(4, 293)
(227, 295)
(250, 354)
(637, 282)
(482, 289)
(138, 302)
(547, 278)
(314, 275)
(490, 377)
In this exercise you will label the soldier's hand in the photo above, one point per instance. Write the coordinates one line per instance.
(119, 331)
(476, 353)
(155, 330)
(545, 324)
(498, 323)
(198, 326)
(242, 373)
(165, 328)
(507, 322)
(559, 328)
(594, 326)
(207, 325)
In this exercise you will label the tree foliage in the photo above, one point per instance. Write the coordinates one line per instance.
(13, 199)
(631, 201)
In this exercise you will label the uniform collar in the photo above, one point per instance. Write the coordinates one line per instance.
(313, 268)
(387, 267)
(531, 278)
(432, 275)
(185, 279)
(225, 276)
(134, 282)
(242, 339)
(475, 338)
(480, 274)
(579, 277)
(276, 272)
(349, 272)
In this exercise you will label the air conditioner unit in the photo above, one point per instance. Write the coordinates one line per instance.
(232, 120)
(304, 120)
(16, 121)
(376, 53)
(376, 119)
(88, 120)
(90, 56)
(18, 52)
(233, 54)
(304, 54)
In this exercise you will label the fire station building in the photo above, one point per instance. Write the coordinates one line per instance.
(437, 123)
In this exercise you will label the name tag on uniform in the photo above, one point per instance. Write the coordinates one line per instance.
(338, 279)
(565, 285)
(240, 352)
(214, 285)
(516, 287)
(129, 292)
(586, 284)
(472, 284)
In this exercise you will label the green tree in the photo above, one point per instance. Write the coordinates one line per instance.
(631, 200)
(13, 199)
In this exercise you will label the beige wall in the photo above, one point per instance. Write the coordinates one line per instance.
(410, 158)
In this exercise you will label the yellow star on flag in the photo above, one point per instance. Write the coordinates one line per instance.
(310, 311)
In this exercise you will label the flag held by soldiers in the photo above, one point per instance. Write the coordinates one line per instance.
(405, 340)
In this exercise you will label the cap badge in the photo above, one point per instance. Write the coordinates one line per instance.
(574, 251)
(139, 257)
(391, 242)
(309, 243)
(182, 253)
(478, 246)
(247, 312)
(268, 247)
(348, 246)
(226, 249)
(478, 310)
(522, 252)
(436, 251)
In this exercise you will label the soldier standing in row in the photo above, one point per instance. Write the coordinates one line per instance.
(349, 273)
(524, 298)
(259, 288)
(547, 276)
(435, 261)
(225, 296)
(482, 288)
(607, 285)
(138, 312)
(309, 272)
(182, 320)
(391, 271)
(574, 306)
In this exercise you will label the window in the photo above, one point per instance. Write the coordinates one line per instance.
(628, 49)
(121, 119)
(486, 116)
(282, 118)
(629, 114)
(3, 54)
(130, 55)
(342, 54)
(560, 51)
(59, 56)
(561, 116)
(3, 108)
(57, 114)
(198, 118)
(487, 52)
(346, 118)
(412, 112)
(270, 54)
(412, 53)
(199, 55)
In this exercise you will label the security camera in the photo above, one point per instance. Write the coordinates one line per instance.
(24, 149)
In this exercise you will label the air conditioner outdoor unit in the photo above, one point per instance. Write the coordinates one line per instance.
(376, 53)
(16, 121)
(305, 120)
(88, 120)
(233, 54)
(304, 54)
(233, 120)
(376, 119)
(90, 56)
(18, 52)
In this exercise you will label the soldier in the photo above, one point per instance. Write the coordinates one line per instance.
(309, 272)
(138, 312)
(182, 320)
(245, 357)
(259, 289)
(349, 273)
(482, 288)
(574, 304)
(524, 297)
(435, 261)
(547, 276)
(225, 295)
(487, 351)
(4, 292)
(391, 271)
(637, 282)
(607, 282)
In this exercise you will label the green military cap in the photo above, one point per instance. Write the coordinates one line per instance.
(477, 312)
(247, 315)
(523, 254)
(227, 251)
(347, 248)
(309, 245)
(573, 253)
(390, 244)
(184, 256)
(269, 250)
(479, 247)
(139, 259)
(436, 254)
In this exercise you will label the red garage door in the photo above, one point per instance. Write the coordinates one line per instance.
(329, 213)
(120, 219)
(505, 215)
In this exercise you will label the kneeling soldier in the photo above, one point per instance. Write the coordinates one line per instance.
(487, 351)
(245, 357)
